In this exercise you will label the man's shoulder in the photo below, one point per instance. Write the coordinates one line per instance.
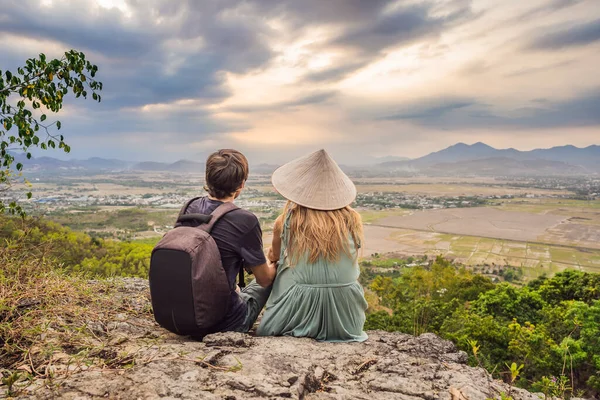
(196, 205)
(244, 219)
(242, 216)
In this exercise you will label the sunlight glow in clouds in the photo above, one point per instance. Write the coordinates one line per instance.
(402, 77)
(121, 5)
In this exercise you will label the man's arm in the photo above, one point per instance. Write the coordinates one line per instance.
(254, 257)
(265, 273)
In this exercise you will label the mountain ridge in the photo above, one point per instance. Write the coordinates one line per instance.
(560, 160)
(455, 159)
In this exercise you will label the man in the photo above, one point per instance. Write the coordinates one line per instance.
(238, 237)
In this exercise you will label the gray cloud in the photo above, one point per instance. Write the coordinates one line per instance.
(73, 24)
(458, 113)
(368, 27)
(346, 12)
(536, 13)
(233, 34)
(314, 98)
(134, 68)
(336, 73)
(534, 70)
(578, 35)
(403, 25)
(168, 50)
(432, 110)
(547, 8)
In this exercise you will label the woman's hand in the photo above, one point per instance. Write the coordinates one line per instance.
(273, 264)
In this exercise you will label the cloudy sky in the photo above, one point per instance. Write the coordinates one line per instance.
(280, 78)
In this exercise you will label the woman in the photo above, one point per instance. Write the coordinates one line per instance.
(315, 244)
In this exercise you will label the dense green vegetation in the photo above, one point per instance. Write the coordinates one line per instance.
(133, 219)
(76, 251)
(551, 326)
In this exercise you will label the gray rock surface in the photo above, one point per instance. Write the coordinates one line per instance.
(230, 366)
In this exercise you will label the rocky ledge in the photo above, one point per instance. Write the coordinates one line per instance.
(155, 364)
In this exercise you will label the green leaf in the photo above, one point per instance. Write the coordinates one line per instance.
(40, 81)
(29, 195)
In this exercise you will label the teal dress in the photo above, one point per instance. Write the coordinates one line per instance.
(321, 300)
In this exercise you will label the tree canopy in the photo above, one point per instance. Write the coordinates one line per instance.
(27, 95)
(551, 326)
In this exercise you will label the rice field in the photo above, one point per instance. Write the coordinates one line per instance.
(471, 250)
(542, 235)
(568, 223)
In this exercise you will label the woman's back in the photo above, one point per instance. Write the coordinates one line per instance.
(320, 299)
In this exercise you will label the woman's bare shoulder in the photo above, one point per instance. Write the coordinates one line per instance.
(278, 223)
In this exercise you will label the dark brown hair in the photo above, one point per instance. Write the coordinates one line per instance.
(226, 171)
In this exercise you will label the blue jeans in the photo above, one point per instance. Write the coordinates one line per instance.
(255, 297)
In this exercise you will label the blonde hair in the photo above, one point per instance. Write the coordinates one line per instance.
(321, 234)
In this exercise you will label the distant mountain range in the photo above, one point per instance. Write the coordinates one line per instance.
(49, 164)
(96, 164)
(459, 159)
(481, 159)
(177, 166)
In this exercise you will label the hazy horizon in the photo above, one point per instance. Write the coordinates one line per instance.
(364, 161)
(277, 80)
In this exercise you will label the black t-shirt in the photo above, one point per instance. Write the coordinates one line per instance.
(239, 239)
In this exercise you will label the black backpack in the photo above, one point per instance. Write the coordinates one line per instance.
(189, 288)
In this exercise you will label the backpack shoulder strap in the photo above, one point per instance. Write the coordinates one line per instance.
(186, 205)
(217, 214)
(215, 217)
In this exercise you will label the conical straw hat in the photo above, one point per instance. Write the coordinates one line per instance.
(315, 181)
